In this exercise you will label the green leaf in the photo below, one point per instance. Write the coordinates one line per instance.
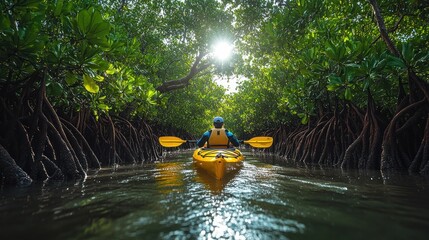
(348, 94)
(407, 52)
(332, 87)
(71, 78)
(54, 88)
(150, 97)
(90, 84)
(366, 85)
(304, 118)
(27, 5)
(83, 21)
(93, 27)
(100, 28)
(103, 106)
(95, 17)
(421, 57)
(58, 7)
(111, 70)
(99, 78)
(393, 61)
(86, 53)
(4, 22)
(334, 80)
(352, 65)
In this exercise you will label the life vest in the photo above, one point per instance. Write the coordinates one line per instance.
(218, 138)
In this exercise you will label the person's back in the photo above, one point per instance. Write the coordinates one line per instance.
(218, 137)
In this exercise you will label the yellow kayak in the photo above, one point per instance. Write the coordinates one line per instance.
(218, 162)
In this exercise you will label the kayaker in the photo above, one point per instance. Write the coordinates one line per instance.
(218, 137)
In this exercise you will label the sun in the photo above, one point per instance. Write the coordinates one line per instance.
(222, 50)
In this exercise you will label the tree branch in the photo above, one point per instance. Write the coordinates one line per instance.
(393, 29)
(382, 28)
(184, 81)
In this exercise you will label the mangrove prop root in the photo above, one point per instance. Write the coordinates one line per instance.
(93, 160)
(54, 172)
(12, 174)
(77, 148)
(38, 144)
(64, 157)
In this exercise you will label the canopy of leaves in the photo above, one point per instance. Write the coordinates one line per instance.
(185, 108)
(300, 58)
(305, 58)
(110, 55)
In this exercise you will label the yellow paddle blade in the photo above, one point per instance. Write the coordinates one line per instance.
(260, 142)
(171, 141)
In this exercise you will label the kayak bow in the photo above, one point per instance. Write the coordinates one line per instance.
(218, 162)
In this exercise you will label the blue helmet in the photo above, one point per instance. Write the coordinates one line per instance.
(218, 120)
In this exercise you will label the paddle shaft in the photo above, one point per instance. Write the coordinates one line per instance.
(257, 142)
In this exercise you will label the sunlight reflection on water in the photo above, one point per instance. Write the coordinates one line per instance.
(173, 200)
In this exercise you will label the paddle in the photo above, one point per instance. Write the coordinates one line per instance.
(171, 141)
(260, 142)
(256, 142)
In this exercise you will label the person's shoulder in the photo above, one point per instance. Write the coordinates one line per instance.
(228, 133)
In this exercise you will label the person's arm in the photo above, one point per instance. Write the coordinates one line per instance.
(203, 139)
(232, 138)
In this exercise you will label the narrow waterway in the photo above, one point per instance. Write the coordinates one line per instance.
(173, 200)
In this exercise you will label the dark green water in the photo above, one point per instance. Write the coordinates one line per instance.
(172, 200)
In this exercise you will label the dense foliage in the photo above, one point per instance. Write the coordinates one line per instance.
(337, 82)
(354, 73)
(304, 56)
(108, 56)
(81, 79)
